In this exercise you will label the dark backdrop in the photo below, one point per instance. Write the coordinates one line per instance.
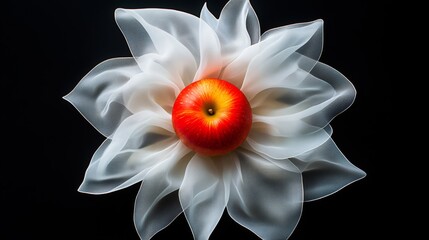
(48, 46)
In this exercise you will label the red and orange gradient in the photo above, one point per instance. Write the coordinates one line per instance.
(212, 117)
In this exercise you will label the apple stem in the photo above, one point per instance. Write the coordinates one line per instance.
(210, 111)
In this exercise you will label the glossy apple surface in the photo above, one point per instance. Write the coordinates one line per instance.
(212, 117)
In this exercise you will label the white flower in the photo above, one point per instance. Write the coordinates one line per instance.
(288, 156)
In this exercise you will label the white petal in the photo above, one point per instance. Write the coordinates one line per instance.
(345, 93)
(93, 94)
(157, 203)
(325, 170)
(236, 70)
(279, 59)
(149, 91)
(208, 17)
(277, 146)
(211, 62)
(270, 62)
(303, 107)
(252, 25)
(288, 110)
(268, 199)
(237, 27)
(166, 37)
(309, 36)
(204, 194)
(182, 26)
(141, 142)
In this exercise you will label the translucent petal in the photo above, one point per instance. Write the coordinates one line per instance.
(208, 17)
(141, 142)
(325, 170)
(211, 61)
(149, 91)
(270, 62)
(238, 23)
(279, 59)
(167, 37)
(305, 106)
(277, 146)
(157, 203)
(237, 27)
(182, 26)
(308, 36)
(92, 96)
(286, 110)
(345, 93)
(204, 194)
(268, 199)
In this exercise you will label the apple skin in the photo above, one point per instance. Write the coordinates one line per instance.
(212, 117)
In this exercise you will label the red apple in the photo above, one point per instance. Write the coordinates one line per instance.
(212, 117)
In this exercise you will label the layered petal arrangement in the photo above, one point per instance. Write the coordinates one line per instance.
(208, 115)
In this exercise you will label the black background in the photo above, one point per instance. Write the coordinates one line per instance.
(48, 46)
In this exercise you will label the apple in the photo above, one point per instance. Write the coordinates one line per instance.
(212, 117)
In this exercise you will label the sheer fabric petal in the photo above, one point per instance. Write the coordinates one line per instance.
(170, 43)
(325, 170)
(180, 25)
(266, 198)
(285, 109)
(140, 142)
(211, 59)
(92, 96)
(149, 91)
(208, 17)
(279, 60)
(276, 58)
(304, 106)
(345, 92)
(157, 203)
(204, 194)
(275, 145)
(311, 33)
(237, 27)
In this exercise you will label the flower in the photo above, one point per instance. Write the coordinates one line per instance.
(288, 156)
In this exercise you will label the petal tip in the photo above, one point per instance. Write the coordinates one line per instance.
(320, 20)
(86, 191)
(361, 174)
(66, 97)
(84, 188)
(70, 99)
(319, 23)
(81, 188)
(119, 11)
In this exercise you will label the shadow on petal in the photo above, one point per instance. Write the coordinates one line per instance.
(268, 200)
(326, 170)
